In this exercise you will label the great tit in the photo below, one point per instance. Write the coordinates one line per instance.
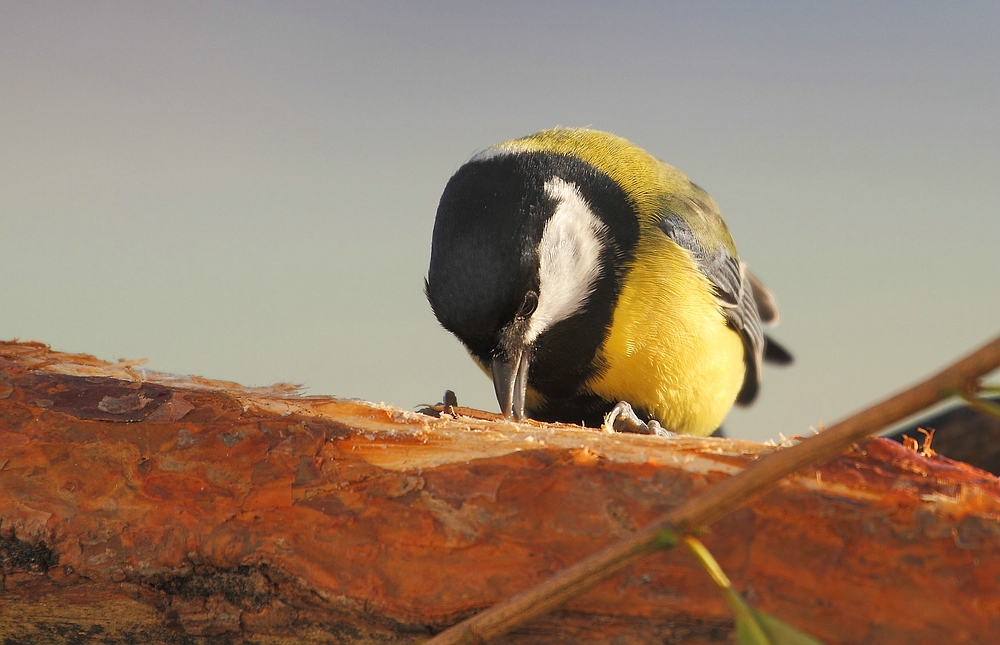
(579, 272)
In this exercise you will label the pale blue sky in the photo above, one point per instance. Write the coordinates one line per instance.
(246, 191)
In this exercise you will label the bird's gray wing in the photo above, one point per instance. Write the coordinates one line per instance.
(682, 219)
(766, 306)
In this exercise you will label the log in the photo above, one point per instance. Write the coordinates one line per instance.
(143, 507)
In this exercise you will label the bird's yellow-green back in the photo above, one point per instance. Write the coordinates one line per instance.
(646, 180)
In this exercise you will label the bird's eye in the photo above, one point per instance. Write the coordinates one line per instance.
(529, 305)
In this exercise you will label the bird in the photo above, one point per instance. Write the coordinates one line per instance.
(588, 278)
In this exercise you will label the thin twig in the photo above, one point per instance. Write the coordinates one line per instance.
(719, 500)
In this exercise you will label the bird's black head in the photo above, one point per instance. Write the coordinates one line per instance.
(527, 258)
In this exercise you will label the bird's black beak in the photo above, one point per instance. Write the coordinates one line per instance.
(510, 381)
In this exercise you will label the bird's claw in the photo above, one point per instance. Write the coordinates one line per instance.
(622, 418)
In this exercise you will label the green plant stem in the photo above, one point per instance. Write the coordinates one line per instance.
(719, 500)
(983, 405)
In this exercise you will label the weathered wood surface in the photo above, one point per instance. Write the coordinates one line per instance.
(144, 508)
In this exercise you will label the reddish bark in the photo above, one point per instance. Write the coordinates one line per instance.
(142, 508)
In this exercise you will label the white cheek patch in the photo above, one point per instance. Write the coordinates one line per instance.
(569, 258)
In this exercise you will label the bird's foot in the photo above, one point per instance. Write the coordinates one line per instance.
(622, 418)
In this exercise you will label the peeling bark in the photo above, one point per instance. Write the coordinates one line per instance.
(140, 507)
(961, 433)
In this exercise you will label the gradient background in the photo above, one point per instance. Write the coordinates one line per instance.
(246, 191)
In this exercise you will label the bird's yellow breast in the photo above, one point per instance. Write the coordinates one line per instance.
(669, 350)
